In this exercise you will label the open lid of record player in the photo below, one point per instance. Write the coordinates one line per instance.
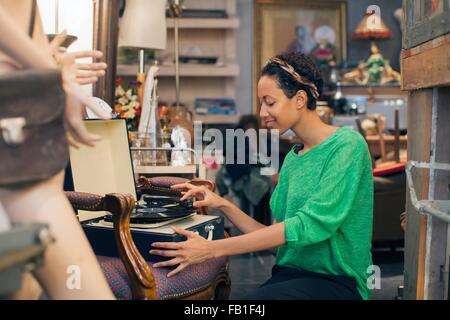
(106, 168)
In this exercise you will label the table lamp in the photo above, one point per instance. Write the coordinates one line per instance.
(143, 26)
(179, 116)
(371, 28)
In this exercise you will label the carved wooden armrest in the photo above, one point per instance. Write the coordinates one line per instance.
(121, 206)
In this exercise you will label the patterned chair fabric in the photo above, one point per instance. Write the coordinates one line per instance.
(85, 201)
(166, 182)
(191, 280)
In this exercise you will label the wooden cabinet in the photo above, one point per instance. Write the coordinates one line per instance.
(425, 63)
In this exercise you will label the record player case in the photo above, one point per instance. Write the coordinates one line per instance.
(106, 169)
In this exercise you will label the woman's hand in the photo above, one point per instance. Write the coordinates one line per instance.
(76, 97)
(87, 73)
(205, 197)
(194, 250)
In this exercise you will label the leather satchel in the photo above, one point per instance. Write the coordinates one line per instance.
(33, 145)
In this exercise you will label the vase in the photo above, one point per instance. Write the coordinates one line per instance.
(142, 158)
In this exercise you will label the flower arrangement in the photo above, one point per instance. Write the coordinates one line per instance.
(127, 105)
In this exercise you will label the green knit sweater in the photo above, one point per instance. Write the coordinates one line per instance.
(325, 198)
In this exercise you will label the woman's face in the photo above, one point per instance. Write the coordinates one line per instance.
(277, 110)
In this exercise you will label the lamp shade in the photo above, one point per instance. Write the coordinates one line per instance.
(374, 28)
(143, 25)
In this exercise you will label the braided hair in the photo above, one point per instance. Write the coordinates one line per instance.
(304, 66)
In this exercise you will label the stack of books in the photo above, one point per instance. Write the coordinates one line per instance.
(211, 106)
(201, 13)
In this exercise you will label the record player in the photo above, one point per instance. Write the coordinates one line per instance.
(107, 168)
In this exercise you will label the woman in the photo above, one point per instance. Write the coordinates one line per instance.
(45, 202)
(322, 204)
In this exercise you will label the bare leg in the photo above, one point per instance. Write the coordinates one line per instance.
(46, 203)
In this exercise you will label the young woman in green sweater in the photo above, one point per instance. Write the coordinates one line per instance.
(322, 203)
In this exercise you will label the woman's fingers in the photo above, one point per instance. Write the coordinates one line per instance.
(169, 263)
(72, 141)
(79, 132)
(199, 204)
(193, 191)
(90, 103)
(89, 74)
(97, 66)
(77, 93)
(187, 195)
(84, 78)
(165, 253)
(86, 81)
(76, 99)
(58, 40)
(180, 268)
(182, 186)
(166, 245)
(186, 233)
(81, 135)
(87, 54)
(89, 77)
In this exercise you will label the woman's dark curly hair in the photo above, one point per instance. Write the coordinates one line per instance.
(304, 66)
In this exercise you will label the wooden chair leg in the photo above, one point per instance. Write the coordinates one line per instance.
(381, 137)
(397, 136)
(363, 133)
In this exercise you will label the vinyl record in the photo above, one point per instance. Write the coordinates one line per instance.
(154, 215)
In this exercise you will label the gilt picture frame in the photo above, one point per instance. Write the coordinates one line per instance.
(287, 25)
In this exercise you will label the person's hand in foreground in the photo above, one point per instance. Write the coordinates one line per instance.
(76, 97)
(87, 73)
(204, 196)
(194, 250)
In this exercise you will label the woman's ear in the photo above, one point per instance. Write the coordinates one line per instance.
(301, 99)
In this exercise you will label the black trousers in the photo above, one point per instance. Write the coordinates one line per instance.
(296, 284)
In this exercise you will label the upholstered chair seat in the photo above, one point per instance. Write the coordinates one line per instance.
(130, 276)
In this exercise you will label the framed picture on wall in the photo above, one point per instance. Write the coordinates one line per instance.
(316, 28)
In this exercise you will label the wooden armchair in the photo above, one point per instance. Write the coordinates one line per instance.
(131, 277)
(389, 190)
(378, 144)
